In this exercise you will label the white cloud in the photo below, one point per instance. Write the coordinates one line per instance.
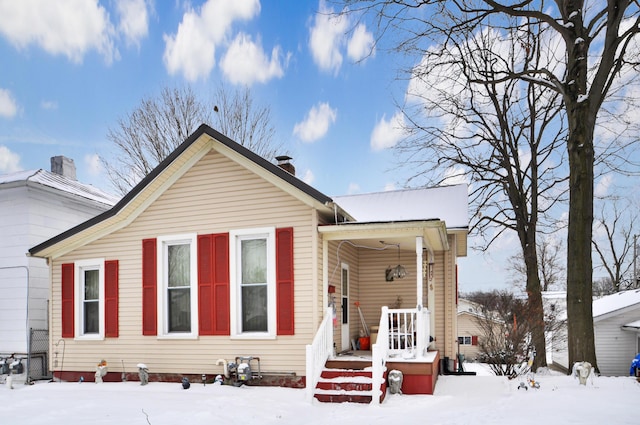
(454, 175)
(49, 104)
(191, 51)
(386, 134)
(93, 164)
(353, 188)
(327, 37)
(134, 20)
(8, 106)
(245, 62)
(9, 161)
(71, 31)
(361, 44)
(389, 186)
(316, 123)
(308, 177)
(602, 186)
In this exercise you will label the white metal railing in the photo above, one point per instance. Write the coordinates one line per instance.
(318, 352)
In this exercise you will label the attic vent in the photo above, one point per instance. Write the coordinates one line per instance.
(284, 162)
(63, 166)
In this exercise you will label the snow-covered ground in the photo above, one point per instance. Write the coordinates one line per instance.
(481, 399)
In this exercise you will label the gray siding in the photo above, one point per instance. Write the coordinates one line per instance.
(615, 348)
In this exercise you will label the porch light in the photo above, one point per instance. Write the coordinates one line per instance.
(397, 272)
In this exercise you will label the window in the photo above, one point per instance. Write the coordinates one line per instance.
(468, 340)
(89, 303)
(252, 258)
(177, 293)
(464, 340)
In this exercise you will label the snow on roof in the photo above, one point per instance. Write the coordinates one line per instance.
(632, 325)
(447, 203)
(62, 183)
(615, 302)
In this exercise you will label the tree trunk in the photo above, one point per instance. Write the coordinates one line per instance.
(579, 262)
(535, 309)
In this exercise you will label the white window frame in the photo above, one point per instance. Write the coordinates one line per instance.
(78, 303)
(163, 269)
(235, 237)
(464, 339)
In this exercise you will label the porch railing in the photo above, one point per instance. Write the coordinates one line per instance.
(318, 352)
(401, 332)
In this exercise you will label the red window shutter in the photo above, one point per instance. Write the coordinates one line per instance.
(205, 284)
(67, 300)
(111, 298)
(474, 340)
(221, 312)
(284, 281)
(149, 288)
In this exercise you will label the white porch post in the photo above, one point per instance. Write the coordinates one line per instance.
(421, 332)
(325, 275)
(420, 272)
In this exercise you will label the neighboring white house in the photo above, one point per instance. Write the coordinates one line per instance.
(469, 333)
(616, 322)
(34, 206)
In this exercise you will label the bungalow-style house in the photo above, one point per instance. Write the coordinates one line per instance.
(220, 259)
(35, 205)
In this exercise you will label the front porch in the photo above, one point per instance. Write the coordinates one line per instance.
(361, 376)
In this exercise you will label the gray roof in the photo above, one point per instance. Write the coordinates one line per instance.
(57, 182)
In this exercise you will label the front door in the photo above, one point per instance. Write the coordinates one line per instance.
(346, 337)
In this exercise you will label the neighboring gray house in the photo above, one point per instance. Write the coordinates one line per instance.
(34, 206)
(616, 322)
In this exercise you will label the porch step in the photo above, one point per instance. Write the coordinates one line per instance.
(345, 386)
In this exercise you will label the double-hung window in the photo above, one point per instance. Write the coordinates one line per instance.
(253, 283)
(177, 295)
(89, 304)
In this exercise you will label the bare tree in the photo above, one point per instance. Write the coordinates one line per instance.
(550, 265)
(237, 117)
(594, 50)
(503, 342)
(615, 245)
(503, 135)
(148, 134)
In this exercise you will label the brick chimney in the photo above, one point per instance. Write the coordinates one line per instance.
(63, 166)
(284, 162)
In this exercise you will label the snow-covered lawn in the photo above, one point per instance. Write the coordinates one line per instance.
(481, 399)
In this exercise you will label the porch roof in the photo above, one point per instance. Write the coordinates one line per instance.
(434, 233)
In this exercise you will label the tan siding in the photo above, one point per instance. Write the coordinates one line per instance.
(376, 291)
(216, 195)
(467, 326)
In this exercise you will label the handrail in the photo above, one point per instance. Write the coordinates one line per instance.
(318, 352)
(379, 353)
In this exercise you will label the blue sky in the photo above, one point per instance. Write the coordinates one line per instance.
(72, 68)
(70, 72)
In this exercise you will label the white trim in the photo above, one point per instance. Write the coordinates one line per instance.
(268, 233)
(78, 298)
(163, 317)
